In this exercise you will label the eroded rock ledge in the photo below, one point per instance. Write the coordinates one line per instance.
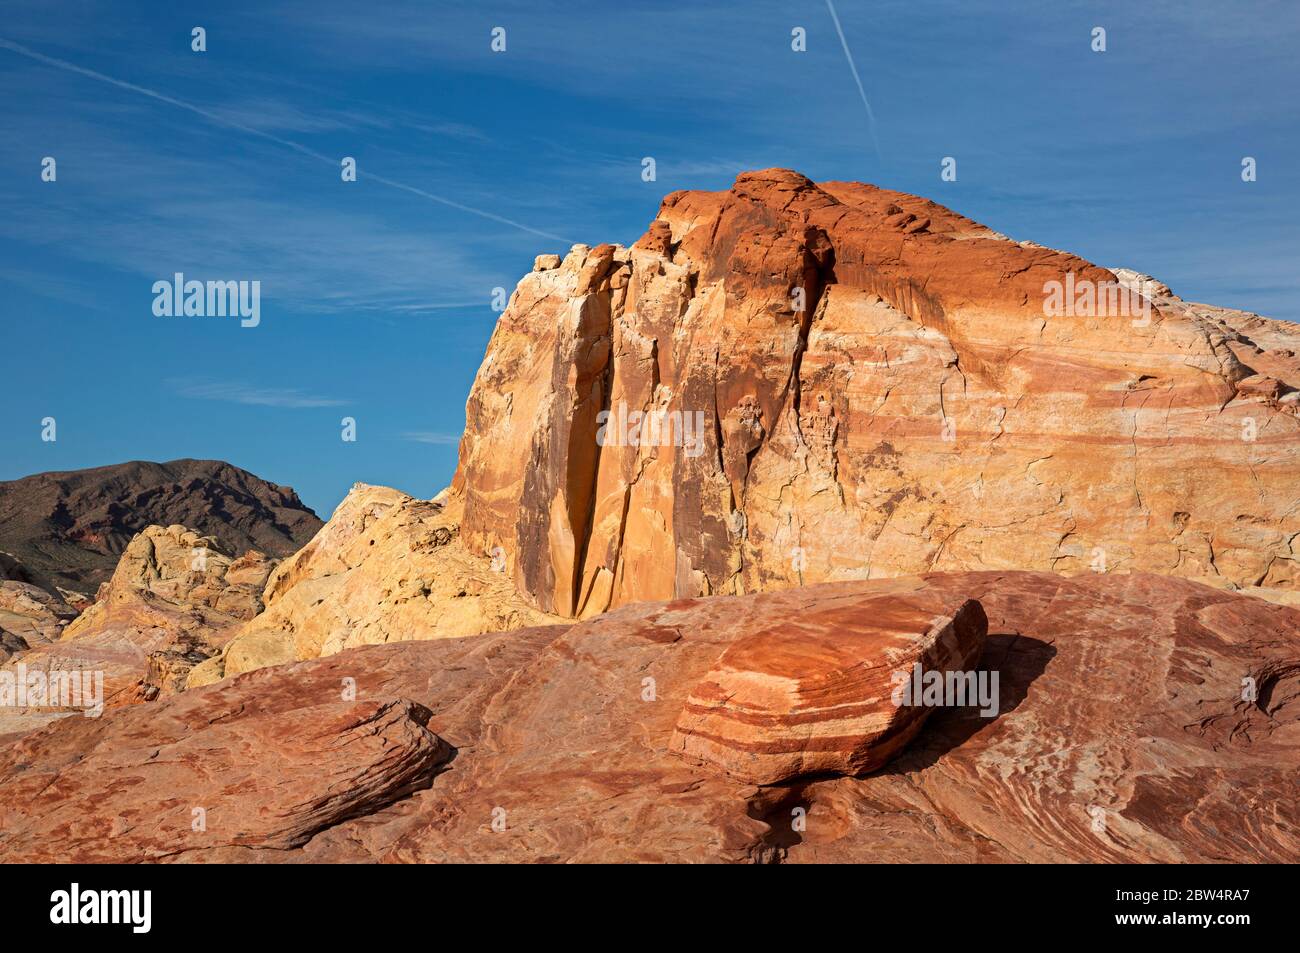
(1123, 734)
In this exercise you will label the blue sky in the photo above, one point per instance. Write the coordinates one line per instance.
(376, 294)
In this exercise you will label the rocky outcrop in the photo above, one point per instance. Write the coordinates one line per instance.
(174, 600)
(1137, 718)
(241, 777)
(29, 616)
(69, 529)
(386, 568)
(789, 383)
(814, 694)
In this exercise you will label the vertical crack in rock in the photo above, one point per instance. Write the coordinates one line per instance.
(826, 452)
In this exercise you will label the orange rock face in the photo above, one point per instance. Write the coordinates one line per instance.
(245, 776)
(815, 695)
(790, 383)
(1140, 718)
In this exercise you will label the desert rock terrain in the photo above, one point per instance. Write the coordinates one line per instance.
(69, 529)
(1122, 735)
(880, 390)
(718, 493)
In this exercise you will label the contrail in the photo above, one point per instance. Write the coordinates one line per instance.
(871, 116)
(288, 144)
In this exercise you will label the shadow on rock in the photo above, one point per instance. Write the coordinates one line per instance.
(1018, 659)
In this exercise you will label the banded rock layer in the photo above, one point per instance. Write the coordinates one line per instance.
(816, 695)
(1123, 734)
(881, 388)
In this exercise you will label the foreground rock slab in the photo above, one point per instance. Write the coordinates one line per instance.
(1139, 718)
(242, 776)
(814, 694)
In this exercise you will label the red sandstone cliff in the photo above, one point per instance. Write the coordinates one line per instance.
(925, 410)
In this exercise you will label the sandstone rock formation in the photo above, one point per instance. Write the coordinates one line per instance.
(268, 780)
(820, 405)
(29, 616)
(385, 568)
(174, 600)
(68, 529)
(858, 383)
(813, 695)
(1140, 718)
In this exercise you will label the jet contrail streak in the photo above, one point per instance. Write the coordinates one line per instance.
(288, 144)
(871, 116)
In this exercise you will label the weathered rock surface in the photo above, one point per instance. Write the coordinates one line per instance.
(174, 600)
(68, 529)
(872, 385)
(386, 568)
(29, 616)
(243, 776)
(813, 694)
(1122, 735)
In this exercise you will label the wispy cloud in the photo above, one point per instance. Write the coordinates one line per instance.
(236, 392)
(424, 436)
(227, 120)
(327, 255)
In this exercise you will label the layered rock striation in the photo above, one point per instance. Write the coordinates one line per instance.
(1138, 718)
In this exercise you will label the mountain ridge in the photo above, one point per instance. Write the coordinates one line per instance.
(66, 528)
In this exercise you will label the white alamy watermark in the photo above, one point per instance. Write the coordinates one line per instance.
(940, 689)
(208, 299)
(1085, 298)
(36, 688)
(74, 905)
(651, 428)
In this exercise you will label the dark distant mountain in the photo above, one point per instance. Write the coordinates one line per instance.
(68, 529)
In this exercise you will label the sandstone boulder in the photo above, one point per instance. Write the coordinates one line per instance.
(815, 694)
(31, 616)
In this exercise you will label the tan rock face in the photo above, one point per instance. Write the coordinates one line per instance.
(385, 568)
(29, 616)
(175, 598)
(1124, 732)
(855, 383)
(184, 568)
